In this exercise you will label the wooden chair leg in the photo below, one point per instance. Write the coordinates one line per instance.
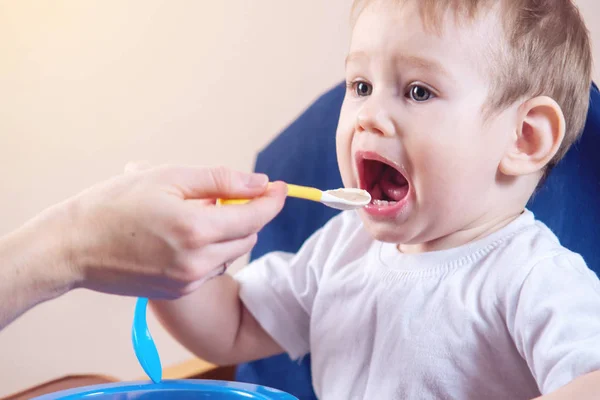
(67, 382)
(197, 368)
(191, 369)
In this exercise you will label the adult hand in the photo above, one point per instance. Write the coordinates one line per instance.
(150, 233)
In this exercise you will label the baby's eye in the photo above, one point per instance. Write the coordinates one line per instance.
(361, 88)
(419, 93)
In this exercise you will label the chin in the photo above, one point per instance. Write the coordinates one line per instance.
(385, 231)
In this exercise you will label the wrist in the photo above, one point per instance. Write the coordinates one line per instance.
(42, 251)
(33, 268)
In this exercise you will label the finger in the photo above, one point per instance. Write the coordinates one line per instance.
(238, 221)
(211, 259)
(201, 183)
(200, 266)
(136, 166)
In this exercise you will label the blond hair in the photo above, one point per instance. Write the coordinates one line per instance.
(546, 52)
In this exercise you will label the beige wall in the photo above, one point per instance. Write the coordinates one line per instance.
(591, 12)
(86, 86)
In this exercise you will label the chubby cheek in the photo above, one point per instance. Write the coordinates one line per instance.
(344, 135)
(433, 169)
(448, 176)
(441, 170)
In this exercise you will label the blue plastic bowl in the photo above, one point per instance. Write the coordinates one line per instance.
(175, 390)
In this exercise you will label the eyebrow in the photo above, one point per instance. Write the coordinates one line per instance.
(414, 61)
(355, 56)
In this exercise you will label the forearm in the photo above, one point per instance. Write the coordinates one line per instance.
(582, 388)
(213, 323)
(33, 267)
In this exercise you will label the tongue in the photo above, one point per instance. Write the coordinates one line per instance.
(393, 184)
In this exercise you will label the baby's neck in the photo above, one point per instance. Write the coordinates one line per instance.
(467, 234)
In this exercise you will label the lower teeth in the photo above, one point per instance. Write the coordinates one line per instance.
(384, 202)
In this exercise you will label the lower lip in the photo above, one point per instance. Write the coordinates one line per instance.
(387, 211)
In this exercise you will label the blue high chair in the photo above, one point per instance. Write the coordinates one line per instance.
(569, 203)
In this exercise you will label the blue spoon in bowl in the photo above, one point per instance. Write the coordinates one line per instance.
(143, 344)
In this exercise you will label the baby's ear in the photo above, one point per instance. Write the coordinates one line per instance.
(539, 132)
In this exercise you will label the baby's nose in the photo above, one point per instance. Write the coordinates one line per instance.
(374, 117)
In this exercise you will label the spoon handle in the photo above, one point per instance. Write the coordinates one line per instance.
(297, 191)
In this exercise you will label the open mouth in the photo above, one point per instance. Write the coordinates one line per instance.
(383, 180)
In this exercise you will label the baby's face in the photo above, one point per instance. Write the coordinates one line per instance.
(412, 130)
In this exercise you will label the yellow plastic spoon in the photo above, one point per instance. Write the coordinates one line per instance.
(341, 199)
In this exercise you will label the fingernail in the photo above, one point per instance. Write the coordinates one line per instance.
(256, 181)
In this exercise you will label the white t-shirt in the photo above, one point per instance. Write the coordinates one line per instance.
(506, 317)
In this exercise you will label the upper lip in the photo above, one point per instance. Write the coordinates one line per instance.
(361, 156)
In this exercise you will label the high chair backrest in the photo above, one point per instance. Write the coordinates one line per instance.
(569, 201)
